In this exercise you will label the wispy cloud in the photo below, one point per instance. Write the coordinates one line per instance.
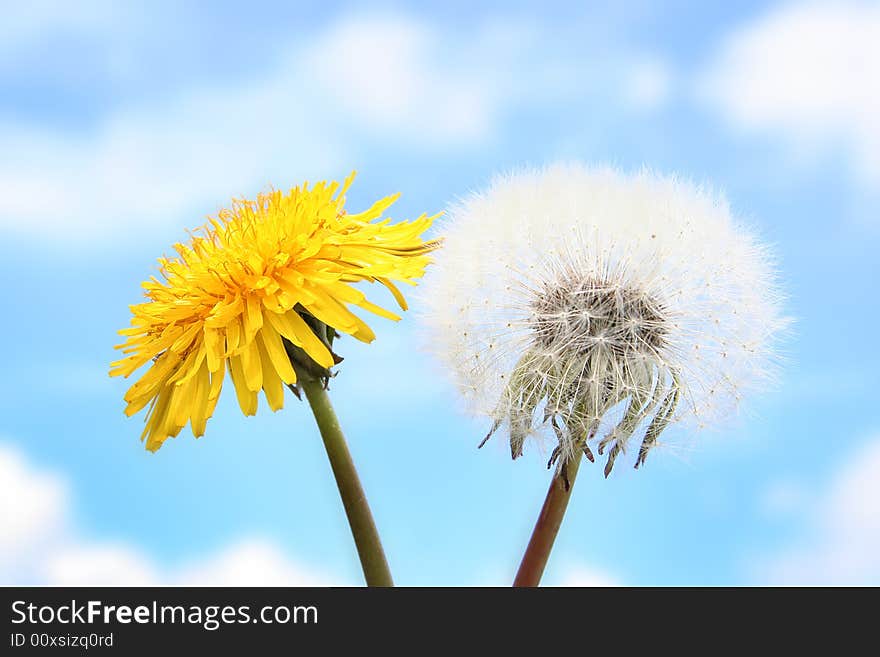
(649, 83)
(247, 562)
(841, 542)
(783, 497)
(30, 23)
(362, 78)
(39, 544)
(147, 166)
(807, 73)
(384, 73)
(320, 105)
(579, 575)
(33, 506)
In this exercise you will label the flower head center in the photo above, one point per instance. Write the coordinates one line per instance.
(579, 314)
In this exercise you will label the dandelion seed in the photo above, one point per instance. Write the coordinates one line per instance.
(588, 306)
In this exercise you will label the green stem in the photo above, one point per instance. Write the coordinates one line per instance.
(363, 529)
(550, 519)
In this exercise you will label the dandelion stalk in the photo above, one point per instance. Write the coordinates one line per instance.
(357, 510)
(534, 561)
(261, 291)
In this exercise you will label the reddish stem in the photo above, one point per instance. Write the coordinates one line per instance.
(543, 536)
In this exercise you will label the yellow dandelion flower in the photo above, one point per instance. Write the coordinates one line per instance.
(248, 289)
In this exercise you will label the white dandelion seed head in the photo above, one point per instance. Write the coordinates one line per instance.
(590, 306)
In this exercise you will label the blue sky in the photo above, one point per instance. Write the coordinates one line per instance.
(123, 124)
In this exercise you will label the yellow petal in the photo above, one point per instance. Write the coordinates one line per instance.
(233, 335)
(250, 361)
(272, 384)
(247, 399)
(292, 327)
(253, 317)
(401, 301)
(200, 401)
(275, 349)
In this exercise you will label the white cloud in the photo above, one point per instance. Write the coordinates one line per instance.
(251, 562)
(843, 542)
(105, 564)
(105, 33)
(385, 73)
(248, 562)
(38, 546)
(649, 83)
(578, 575)
(783, 497)
(26, 23)
(365, 79)
(807, 73)
(32, 505)
(147, 166)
